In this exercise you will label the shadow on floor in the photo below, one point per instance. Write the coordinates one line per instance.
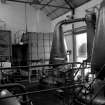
(44, 98)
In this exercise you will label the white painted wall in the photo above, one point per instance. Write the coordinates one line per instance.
(13, 14)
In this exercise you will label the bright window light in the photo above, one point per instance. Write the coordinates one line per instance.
(81, 47)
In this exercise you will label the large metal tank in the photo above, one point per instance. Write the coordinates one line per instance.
(58, 50)
(98, 53)
(91, 23)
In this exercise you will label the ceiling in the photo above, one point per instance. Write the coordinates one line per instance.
(54, 8)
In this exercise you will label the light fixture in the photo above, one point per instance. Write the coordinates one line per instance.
(3, 93)
(21, 43)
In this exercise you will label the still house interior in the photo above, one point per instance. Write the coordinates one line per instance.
(52, 52)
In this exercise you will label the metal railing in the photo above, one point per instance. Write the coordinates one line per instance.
(44, 72)
(35, 72)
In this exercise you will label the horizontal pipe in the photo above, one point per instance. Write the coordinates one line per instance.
(80, 68)
(73, 63)
(46, 90)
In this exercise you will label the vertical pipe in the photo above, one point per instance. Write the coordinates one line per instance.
(31, 45)
(37, 77)
(91, 21)
(10, 47)
(37, 45)
(26, 17)
(29, 72)
(74, 44)
(73, 37)
(49, 43)
(31, 54)
(43, 47)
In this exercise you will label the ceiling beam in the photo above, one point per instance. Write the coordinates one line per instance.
(35, 2)
(84, 3)
(41, 1)
(68, 2)
(54, 6)
(59, 15)
(54, 10)
(39, 4)
(47, 4)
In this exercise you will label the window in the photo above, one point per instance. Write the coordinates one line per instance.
(81, 47)
(69, 43)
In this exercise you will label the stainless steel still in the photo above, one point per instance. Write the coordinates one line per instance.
(58, 52)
